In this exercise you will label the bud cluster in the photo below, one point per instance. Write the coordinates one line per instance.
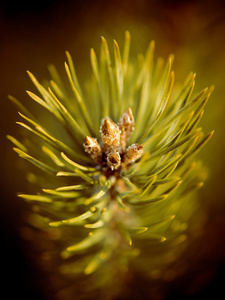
(114, 153)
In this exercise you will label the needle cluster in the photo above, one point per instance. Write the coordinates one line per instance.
(117, 180)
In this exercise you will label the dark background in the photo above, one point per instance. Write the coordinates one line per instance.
(34, 34)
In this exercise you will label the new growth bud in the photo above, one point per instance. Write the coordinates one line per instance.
(114, 160)
(134, 152)
(114, 152)
(92, 147)
(110, 134)
(126, 126)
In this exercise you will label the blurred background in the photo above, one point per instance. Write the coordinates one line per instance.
(34, 34)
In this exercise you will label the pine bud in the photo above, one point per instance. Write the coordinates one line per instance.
(92, 147)
(110, 134)
(126, 126)
(114, 160)
(133, 153)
